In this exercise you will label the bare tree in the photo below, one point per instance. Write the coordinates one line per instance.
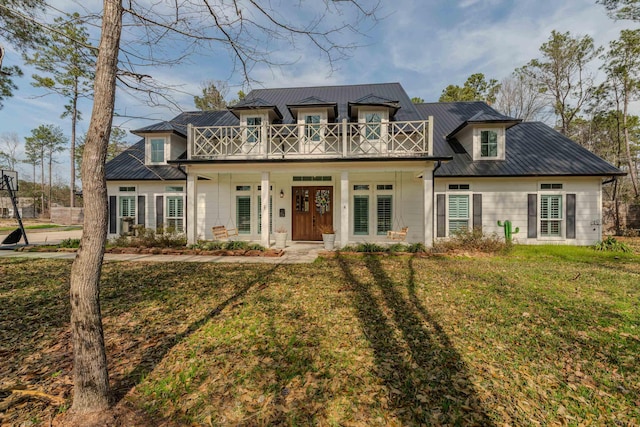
(9, 143)
(222, 23)
(521, 97)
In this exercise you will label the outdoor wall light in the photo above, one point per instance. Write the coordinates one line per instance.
(281, 193)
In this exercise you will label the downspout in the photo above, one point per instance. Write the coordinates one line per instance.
(186, 195)
(433, 200)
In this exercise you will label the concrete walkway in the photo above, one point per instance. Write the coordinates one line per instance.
(295, 253)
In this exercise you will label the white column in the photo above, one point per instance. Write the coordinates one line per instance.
(427, 185)
(192, 206)
(344, 208)
(264, 198)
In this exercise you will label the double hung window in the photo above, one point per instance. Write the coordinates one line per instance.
(175, 213)
(254, 129)
(488, 143)
(551, 215)
(157, 150)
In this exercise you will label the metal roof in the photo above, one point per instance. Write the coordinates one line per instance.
(533, 149)
(129, 166)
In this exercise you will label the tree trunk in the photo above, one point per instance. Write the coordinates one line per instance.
(74, 120)
(90, 375)
(42, 187)
(632, 166)
(50, 186)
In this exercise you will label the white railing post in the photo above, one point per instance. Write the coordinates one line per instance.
(190, 141)
(345, 150)
(430, 141)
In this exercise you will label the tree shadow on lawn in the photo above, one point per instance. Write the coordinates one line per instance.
(154, 354)
(426, 377)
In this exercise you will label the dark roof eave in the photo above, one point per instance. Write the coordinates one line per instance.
(163, 132)
(529, 175)
(273, 108)
(480, 122)
(318, 160)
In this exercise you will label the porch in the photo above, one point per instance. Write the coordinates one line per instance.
(361, 202)
(325, 140)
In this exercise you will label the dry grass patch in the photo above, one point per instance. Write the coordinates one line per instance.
(542, 335)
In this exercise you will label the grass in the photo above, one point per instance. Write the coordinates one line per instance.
(544, 335)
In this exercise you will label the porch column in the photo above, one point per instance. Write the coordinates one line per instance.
(427, 185)
(192, 206)
(344, 208)
(264, 208)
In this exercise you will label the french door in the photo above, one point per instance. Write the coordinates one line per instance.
(312, 209)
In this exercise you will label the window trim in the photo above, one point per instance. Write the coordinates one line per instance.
(488, 143)
(500, 142)
(383, 125)
(469, 216)
(167, 217)
(133, 209)
(151, 151)
(561, 220)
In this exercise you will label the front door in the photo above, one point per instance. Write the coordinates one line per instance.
(312, 209)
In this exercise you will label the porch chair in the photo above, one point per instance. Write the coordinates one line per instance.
(220, 232)
(398, 235)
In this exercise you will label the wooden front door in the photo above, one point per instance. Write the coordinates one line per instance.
(312, 208)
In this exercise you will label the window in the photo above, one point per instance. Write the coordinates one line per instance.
(551, 215)
(360, 215)
(254, 125)
(373, 126)
(551, 186)
(127, 213)
(384, 187)
(127, 206)
(174, 188)
(243, 214)
(459, 186)
(260, 214)
(312, 127)
(361, 187)
(458, 213)
(312, 178)
(127, 189)
(384, 214)
(175, 213)
(488, 143)
(157, 150)
(243, 188)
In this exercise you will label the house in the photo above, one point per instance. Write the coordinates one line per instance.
(362, 159)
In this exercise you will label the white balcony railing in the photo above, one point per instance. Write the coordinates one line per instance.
(332, 140)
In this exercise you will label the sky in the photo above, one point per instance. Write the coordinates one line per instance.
(424, 45)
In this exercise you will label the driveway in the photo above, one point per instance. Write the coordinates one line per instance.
(46, 236)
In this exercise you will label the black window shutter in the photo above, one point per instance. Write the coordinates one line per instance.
(571, 216)
(440, 206)
(141, 210)
(159, 212)
(532, 217)
(113, 210)
(477, 211)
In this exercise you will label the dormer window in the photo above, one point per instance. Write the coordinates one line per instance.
(373, 126)
(156, 150)
(254, 125)
(489, 143)
(312, 127)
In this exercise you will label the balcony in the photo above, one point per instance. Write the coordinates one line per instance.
(300, 141)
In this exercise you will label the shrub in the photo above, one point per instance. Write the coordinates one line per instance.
(237, 244)
(149, 238)
(610, 244)
(416, 248)
(472, 240)
(70, 243)
(397, 247)
(369, 247)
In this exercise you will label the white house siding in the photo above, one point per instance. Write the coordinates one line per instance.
(149, 189)
(216, 195)
(506, 199)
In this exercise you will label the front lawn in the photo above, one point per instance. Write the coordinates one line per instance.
(547, 335)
